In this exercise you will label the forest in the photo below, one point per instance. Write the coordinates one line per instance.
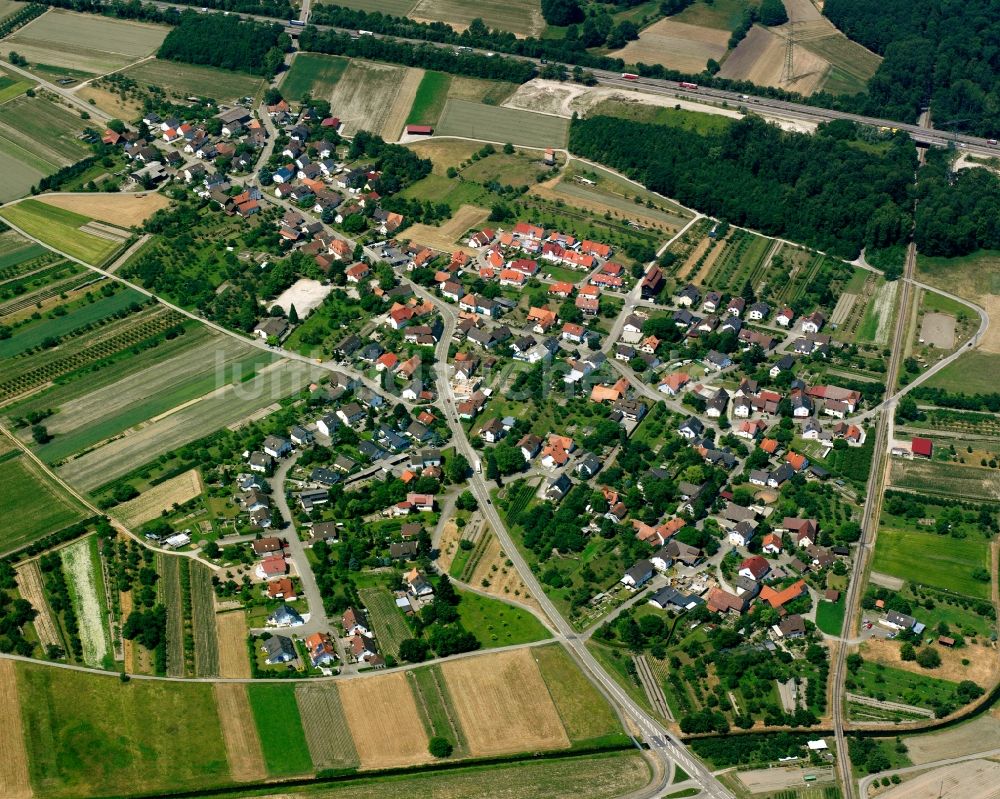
(936, 51)
(957, 212)
(218, 40)
(815, 189)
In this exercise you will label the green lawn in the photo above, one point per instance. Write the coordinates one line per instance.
(90, 735)
(282, 738)
(585, 713)
(430, 99)
(895, 685)
(60, 230)
(189, 79)
(31, 505)
(830, 616)
(496, 623)
(313, 74)
(973, 373)
(937, 560)
(723, 14)
(11, 87)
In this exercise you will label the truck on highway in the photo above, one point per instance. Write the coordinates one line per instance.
(994, 142)
(629, 76)
(479, 466)
(687, 85)
(296, 23)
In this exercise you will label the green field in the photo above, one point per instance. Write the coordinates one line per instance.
(830, 616)
(389, 625)
(18, 176)
(721, 14)
(60, 230)
(90, 735)
(585, 777)
(931, 559)
(948, 479)
(853, 65)
(477, 121)
(31, 505)
(695, 121)
(187, 79)
(32, 335)
(896, 685)
(973, 373)
(398, 8)
(521, 17)
(282, 739)
(430, 690)
(313, 74)
(12, 86)
(432, 94)
(585, 713)
(48, 130)
(496, 623)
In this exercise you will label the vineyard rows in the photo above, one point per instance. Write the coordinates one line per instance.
(327, 734)
(206, 641)
(110, 341)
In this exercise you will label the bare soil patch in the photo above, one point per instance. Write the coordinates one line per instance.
(231, 630)
(760, 58)
(843, 308)
(243, 751)
(126, 210)
(365, 95)
(393, 127)
(503, 578)
(384, 722)
(14, 780)
(954, 742)
(447, 237)
(29, 585)
(886, 580)
(938, 330)
(974, 779)
(109, 102)
(448, 545)
(128, 647)
(981, 669)
(305, 294)
(503, 705)
(765, 780)
(150, 504)
(676, 45)
(803, 11)
(710, 259)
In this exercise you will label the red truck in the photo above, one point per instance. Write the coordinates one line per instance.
(629, 76)
(686, 85)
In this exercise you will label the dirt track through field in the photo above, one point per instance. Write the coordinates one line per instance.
(125, 210)
(231, 630)
(246, 760)
(29, 583)
(384, 721)
(503, 705)
(14, 780)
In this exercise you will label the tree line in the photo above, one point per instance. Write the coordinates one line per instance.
(814, 189)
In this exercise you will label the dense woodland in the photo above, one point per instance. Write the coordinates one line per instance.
(943, 52)
(957, 213)
(218, 40)
(815, 189)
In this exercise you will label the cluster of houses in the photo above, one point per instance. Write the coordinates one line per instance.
(551, 246)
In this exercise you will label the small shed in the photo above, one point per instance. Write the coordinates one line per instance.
(923, 447)
(419, 130)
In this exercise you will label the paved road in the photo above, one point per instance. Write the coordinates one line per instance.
(865, 783)
(64, 94)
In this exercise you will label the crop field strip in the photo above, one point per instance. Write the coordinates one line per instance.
(243, 751)
(161, 497)
(37, 370)
(231, 633)
(932, 477)
(29, 586)
(282, 739)
(314, 74)
(526, 128)
(327, 734)
(436, 708)
(169, 590)
(390, 626)
(742, 259)
(384, 721)
(60, 230)
(184, 80)
(31, 504)
(47, 130)
(15, 781)
(67, 285)
(82, 576)
(206, 640)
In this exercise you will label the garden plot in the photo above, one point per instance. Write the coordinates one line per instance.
(87, 589)
(206, 641)
(503, 705)
(365, 95)
(162, 497)
(387, 620)
(124, 210)
(843, 308)
(676, 45)
(305, 294)
(760, 58)
(191, 421)
(881, 309)
(490, 123)
(84, 42)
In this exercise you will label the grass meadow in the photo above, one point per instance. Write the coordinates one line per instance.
(31, 505)
(183, 80)
(931, 559)
(313, 74)
(478, 121)
(496, 623)
(432, 94)
(59, 229)
(90, 735)
(974, 373)
(276, 714)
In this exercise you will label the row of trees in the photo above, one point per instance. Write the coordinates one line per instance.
(814, 189)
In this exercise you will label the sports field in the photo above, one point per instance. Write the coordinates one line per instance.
(31, 504)
(184, 80)
(91, 735)
(930, 559)
(313, 74)
(84, 42)
(520, 17)
(60, 230)
(477, 121)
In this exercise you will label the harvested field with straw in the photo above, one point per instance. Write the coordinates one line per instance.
(29, 585)
(365, 95)
(124, 210)
(14, 779)
(675, 45)
(384, 721)
(760, 58)
(503, 705)
(246, 761)
(231, 632)
(448, 237)
(149, 504)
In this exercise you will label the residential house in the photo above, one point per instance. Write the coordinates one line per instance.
(638, 574)
(278, 649)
